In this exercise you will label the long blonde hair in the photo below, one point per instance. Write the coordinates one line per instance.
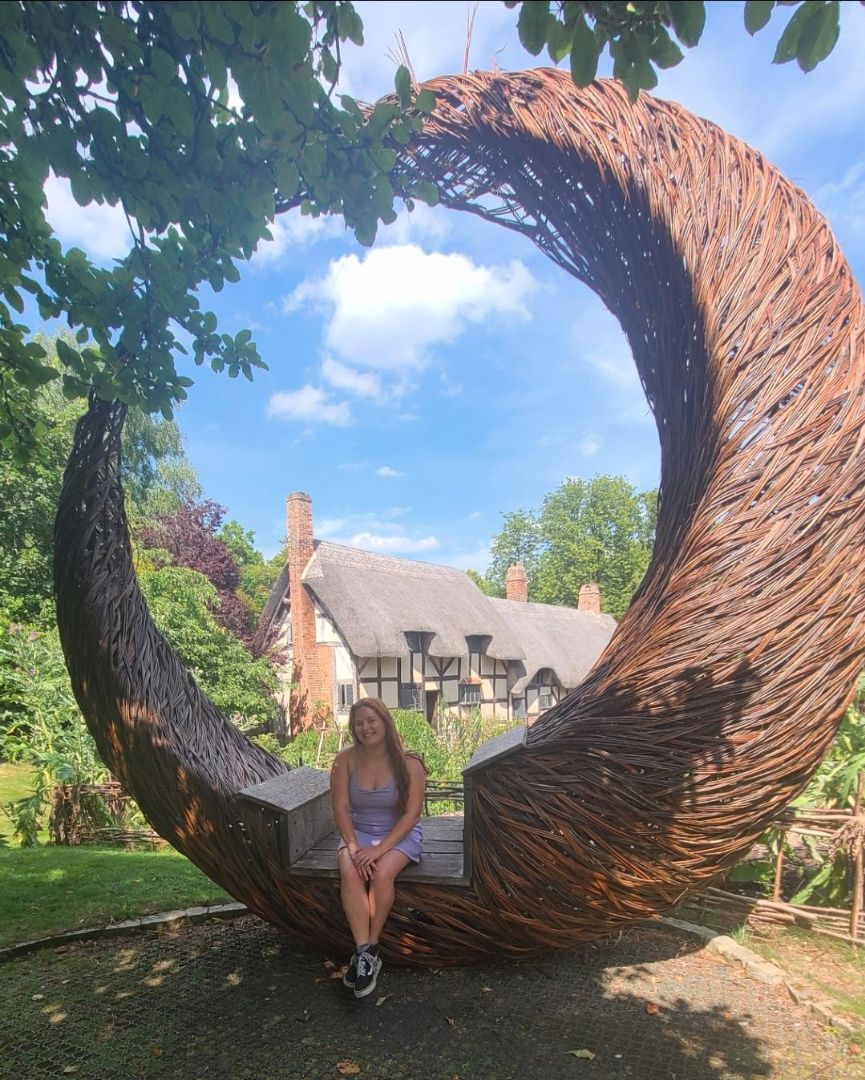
(395, 749)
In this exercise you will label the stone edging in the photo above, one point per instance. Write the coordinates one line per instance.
(764, 970)
(127, 926)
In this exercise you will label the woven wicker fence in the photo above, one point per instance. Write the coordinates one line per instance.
(95, 814)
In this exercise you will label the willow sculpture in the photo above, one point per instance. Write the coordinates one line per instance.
(723, 686)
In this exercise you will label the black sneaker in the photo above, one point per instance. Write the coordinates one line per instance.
(368, 967)
(350, 977)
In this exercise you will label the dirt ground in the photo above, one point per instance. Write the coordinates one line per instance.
(238, 1000)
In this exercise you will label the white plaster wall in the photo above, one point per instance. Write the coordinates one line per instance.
(343, 666)
(325, 631)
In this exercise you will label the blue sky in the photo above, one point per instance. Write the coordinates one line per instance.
(419, 389)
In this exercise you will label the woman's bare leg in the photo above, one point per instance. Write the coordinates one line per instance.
(355, 899)
(381, 890)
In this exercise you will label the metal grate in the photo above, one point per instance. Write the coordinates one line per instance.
(236, 1000)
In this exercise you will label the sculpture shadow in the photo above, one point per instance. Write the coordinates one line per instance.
(239, 1000)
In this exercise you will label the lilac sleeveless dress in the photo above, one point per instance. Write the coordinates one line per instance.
(375, 812)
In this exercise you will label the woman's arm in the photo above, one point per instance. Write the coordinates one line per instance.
(339, 797)
(407, 820)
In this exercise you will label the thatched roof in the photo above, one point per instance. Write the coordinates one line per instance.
(374, 600)
(562, 638)
(279, 590)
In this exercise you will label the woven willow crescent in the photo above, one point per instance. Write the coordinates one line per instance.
(724, 683)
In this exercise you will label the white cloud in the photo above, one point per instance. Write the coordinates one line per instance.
(599, 345)
(431, 223)
(309, 403)
(390, 308)
(589, 445)
(386, 470)
(450, 388)
(380, 531)
(476, 559)
(391, 544)
(101, 231)
(293, 229)
(843, 201)
(362, 383)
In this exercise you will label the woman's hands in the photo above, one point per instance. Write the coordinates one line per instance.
(364, 860)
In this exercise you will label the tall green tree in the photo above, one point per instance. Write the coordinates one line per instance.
(600, 530)
(29, 490)
(257, 574)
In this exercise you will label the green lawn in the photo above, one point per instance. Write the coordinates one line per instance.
(16, 781)
(46, 890)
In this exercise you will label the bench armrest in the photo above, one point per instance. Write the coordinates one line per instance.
(301, 798)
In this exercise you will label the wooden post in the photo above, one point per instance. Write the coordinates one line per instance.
(857, 860)
(779, 867)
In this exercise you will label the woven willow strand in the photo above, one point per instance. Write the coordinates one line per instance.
(724, 683)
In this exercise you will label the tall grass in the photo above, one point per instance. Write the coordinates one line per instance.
(445, 750)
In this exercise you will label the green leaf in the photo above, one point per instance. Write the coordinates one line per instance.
(585, 53)
(163, 65)
(532, 25)
(68, 356)
(402, 83)
(757, 13)
(689, 19)
(788, 45)
(427, 192)
(384, 158)
(183, 23)
(329, 66)
(425, 102)
(288, 179)
(218, 24)
(559, 38)
(664, 51)
(759, 870)
(216, 68)
(14, 299)
(819, 35)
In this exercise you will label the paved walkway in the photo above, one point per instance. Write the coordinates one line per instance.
(236, 1000)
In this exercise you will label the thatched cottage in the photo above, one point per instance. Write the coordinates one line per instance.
(418, 635)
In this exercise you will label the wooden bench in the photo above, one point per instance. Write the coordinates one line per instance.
(308, 838)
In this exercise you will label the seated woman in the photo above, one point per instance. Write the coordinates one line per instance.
(377, 790)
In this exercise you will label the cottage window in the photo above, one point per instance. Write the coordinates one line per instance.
(519, 704)
(475, 643)
(345, 696)
(470, 694)
(410, 697)
(545, 701)
(414, 640)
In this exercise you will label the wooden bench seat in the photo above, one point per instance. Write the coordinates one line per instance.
(441, 862)
(298, 803)
(308, 838)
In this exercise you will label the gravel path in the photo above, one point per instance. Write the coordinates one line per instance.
(236, 1000)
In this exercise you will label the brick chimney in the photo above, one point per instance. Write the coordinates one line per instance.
(312, 662)
(590, 599)
(517, 583)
